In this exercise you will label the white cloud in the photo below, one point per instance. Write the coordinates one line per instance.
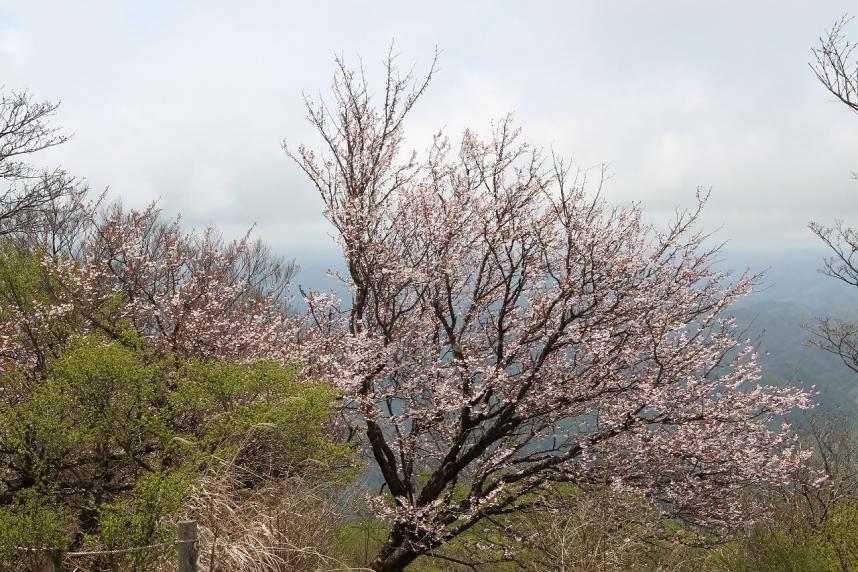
(189, 101)
(12, 44)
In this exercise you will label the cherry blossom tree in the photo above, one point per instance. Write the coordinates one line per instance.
(187, 293)
(69, 264)
(509, 329)
(137, 278)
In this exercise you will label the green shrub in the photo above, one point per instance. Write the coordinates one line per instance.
(105, 448)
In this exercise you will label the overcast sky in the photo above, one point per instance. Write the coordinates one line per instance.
(189, 101)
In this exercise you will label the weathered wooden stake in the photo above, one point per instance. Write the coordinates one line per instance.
(52, 561)
(188, 546)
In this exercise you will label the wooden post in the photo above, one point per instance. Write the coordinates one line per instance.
(52, 561)
(188, 546)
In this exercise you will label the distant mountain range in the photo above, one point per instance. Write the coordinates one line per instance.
(785, 357)
(794, 293)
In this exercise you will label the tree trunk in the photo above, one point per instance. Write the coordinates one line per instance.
(395, 555)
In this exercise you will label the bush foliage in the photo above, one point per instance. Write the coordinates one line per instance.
(104, 440)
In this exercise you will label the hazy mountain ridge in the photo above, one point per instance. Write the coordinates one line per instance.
(786, 357)
(793, 294)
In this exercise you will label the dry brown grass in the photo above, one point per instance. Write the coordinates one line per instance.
(281, 525)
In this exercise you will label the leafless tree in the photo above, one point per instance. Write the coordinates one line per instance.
(837, 335)
(832, 478)
(836, 67)
(32, 199)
